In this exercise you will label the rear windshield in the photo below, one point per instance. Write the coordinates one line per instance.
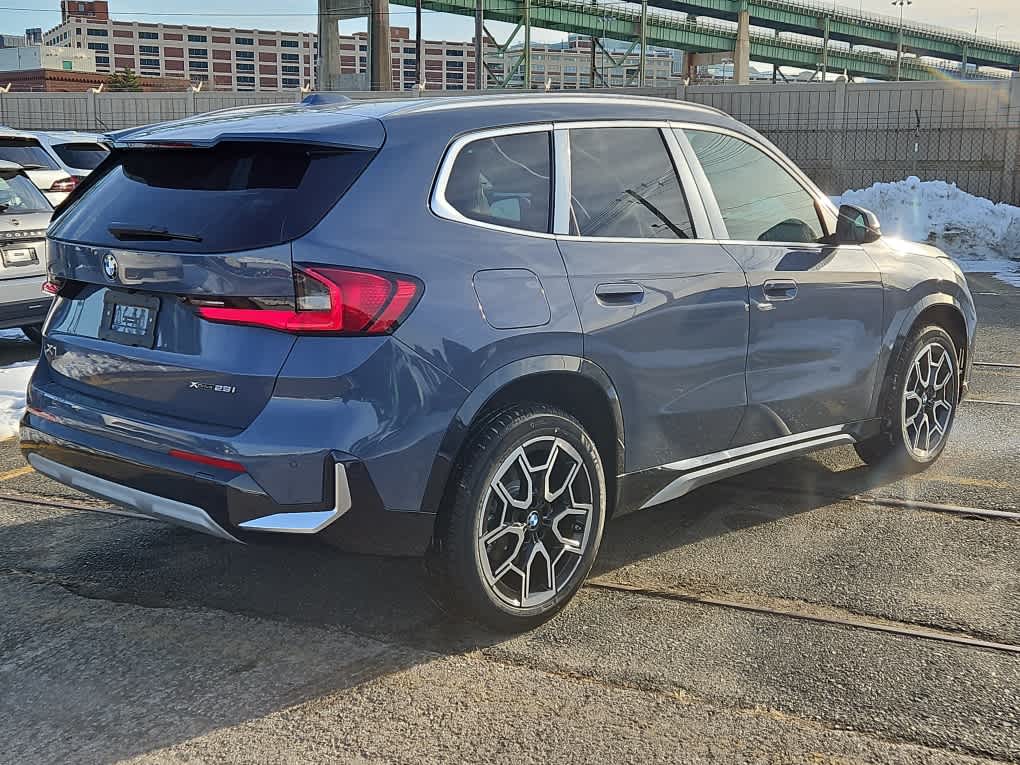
(234, 196)
(81, 156)
(19, 195)
(26, 152)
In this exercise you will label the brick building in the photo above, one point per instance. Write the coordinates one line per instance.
(224, 59)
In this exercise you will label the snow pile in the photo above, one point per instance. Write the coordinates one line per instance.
(965, 226)
(13, 384)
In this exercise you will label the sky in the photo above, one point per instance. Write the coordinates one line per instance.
(15, 15)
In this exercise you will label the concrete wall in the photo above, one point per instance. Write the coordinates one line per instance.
(843, 135)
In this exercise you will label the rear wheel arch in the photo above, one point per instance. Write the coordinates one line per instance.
(572, 384)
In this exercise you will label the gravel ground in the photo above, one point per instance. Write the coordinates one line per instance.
(128, 640)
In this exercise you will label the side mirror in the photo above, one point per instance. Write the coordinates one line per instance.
(856, 225)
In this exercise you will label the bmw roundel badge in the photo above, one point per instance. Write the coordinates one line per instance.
(109, 265)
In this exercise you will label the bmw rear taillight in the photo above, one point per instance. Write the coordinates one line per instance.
(65, 184)
(331, 300)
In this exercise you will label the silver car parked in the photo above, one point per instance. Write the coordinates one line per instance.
(24, 215)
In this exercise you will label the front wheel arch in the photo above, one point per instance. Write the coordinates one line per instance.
(941, 310)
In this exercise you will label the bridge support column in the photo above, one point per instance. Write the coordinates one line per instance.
(379, 46)
(328, 57)
(742, 52)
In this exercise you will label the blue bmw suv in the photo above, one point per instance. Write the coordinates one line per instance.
(473, 329)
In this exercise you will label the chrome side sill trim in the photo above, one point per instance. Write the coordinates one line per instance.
(692, 480)
(760, 446)
(146, 505)
(307, 523)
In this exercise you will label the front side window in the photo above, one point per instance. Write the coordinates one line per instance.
(758, 199)
(504, 180)
(623, 184)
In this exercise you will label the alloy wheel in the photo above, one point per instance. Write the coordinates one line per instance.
(536, 522)
(929, 398)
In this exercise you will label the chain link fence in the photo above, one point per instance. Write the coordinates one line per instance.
(848, 136)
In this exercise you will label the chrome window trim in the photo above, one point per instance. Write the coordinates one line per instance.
(774, 154)
(442, 208)
(681, 166)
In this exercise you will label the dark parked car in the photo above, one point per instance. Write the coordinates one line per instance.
(474, 329)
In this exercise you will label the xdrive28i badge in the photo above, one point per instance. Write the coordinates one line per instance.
(110, 266)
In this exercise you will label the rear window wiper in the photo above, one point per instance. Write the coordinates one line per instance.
(33, 166)
(127, 233)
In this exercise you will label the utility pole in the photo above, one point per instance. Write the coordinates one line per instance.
(479, 54)
(527, 44)
(899, 44)
(419, 65)
(644, 42)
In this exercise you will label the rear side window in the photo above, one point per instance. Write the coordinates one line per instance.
(19, 195)
(82, 156)
(26, 152)
(623, 184)
(505, 180)
(234, 196)
(758, 199)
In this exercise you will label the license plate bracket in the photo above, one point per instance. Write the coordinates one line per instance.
(19, 256)
(129, 319)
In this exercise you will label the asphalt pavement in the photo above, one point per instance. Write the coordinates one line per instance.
(811, 612)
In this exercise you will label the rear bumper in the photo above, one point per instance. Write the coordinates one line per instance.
(232, 506)
(23, 313)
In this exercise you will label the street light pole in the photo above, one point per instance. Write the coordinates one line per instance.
(977, 20)
(899, 45)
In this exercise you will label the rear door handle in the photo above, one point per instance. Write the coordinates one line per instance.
(621, 293)
(779, 289)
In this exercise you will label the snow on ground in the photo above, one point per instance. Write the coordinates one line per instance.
(982, 235)
(13, 383)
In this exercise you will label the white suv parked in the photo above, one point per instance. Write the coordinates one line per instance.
(55, 161)
(24, 216)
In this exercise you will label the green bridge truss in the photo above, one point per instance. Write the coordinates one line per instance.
(805, 48)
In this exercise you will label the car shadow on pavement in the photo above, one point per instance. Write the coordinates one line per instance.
(309, 589)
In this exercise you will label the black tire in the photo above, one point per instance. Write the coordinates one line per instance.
(891, 449)
(460, 579)
(34, 333)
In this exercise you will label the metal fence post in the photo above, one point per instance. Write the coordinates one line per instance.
(1009, 167)
(91, 112)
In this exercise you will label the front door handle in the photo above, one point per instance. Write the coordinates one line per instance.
(779, 289)
(622, 293)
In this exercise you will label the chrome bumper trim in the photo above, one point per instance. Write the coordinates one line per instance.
(311, 522)
(146, 505)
